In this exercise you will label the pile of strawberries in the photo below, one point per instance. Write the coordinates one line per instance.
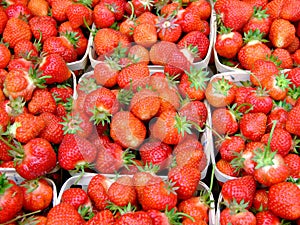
(144, 199)
(249, 30)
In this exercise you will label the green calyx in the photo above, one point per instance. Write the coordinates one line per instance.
(282, 81)
(182, 125)
(260, 13)
(88, 85)
(122, 210)
(100, 116)
(149, 167)
(222, 86)
(224, 30)
(87, 3)
(71, 124)
(25, 219)
(236, 207)
(254, 36)
(72, 37)
(282, 104)
(38, 80)
(170, 186)
(4, 183)
(274, 59)
(125, 96)
(31, 185)
(294, 92)
(112, 63)
(119, 52)
(127, 157)
(86, 212)
(175, 218)
(16, 106)
(238, 162)
(198, 78)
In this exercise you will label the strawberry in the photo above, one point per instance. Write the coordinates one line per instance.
(53, 65)
(228, 42)
(37, 194)
(20, 63)
(35, 159)
(294, 45)
(260, 20)
(195, 39)
(122, 192)
(139, 54)
(79, 12)
(290, 11)
(225, 121)
(237, 214)
(234, 14)
(292, 123)
(158, 196)
(157, 153)
(260, 201)
(26, 48)
(186, 179)
(296, 57)
(284, 56)
(145, 34)
(253, 43)
(190, 21)
(294, 76)
(3, 74)
(3, 19)
(169, 100)
(145, 104)
(134, 218)
(38, 7)
(43, 27)
(18, 10)
(97, 191)
(283, 197)
(178, 63)
(166, 217)
(142, 6)
(202, 7)
(75, 152)
(4, 56)
(127, 130)
(253, 126)
(62, 92)
(280, 114)
(193, 84)
(103, 16)
(161, 51)
(257, 3)
(266, 217)
(262, 70)
(260, 101)
(226, 168)
(11, 199)
(133, 73)
(104, 217)
(230, 146)
(4, 120)
(4, 152)
(168, 29)
(282, 33)
(168, 9)
(274, 8)
(240, 189)
(146, 17)
(41, 101)
(117, 7)
(59, 9)
(26, 127)
(53, 130)
(277, 86)
(64, 213)
(76, 197)
(293, 162)
(220, 92)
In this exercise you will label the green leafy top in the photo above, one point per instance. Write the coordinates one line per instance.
(198, 78)
(222, 86)
(4, 183)
(260, 13)
(254, 36)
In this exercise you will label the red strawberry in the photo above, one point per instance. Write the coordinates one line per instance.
(293, 162)
(294, 76)
(11, 199)
(26, 48)
(168, 29)
(178, 63)
(157, 153)
(228, 43)
(77, 13)
(225, 167)
(225, 121)
(20, 63)
(16, 30)
(134, 218)
(284, 56)
(280, 114)
(106, 73)
(18, 10)
(237, 214)
(294, 45)
(260, 101)
(62, 92)
(161, 52)
(41, 101)
(145, 34)
(53, 130)
(4, 56)
(4, 152)
(283, 197)
(4, 120)
(266, 217)
(139, 53)
(274, 8)
(38, 7)
(64, 213)
(38, 194)
(202, 7)
(59, 9)
(290, 11)
(257, 3)
(262, 70)
(260, 201)
(253, 126)
(282, 33)
(3, 19)
(76, 197)
(104, 217)
(186, 179)
(43, 27)
(190, 21)
(230, 146)
(169, 100)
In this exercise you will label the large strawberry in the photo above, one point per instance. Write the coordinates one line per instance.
(11, 199)
(79, 13)
(253, 126)
(282, 33)
(53, 130)
(225, 121)
(41, 101)
(76, 197)
(3, 20)
(43, 27)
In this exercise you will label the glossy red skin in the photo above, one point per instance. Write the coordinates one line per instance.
(24, 47)
(224, 122)
(226, 168)
(263, 25)
(39, 159)
(41, 101)
(195, 111)
(293, 122)
(76, 197)
(253, 126)
(278, 114)
(260, 201)
(45, 24)
(232, 145)
(76, 12)
(52, 131)
(267, 217)
(3, 20)
(186, 88)
(246, 217)
(104, 217)
(134, 218)
(260, 104)
(62, 92)
(5, 56)
(228, 45)
(103, 17)
(262, 70)
(293, 162)
(18, 10)
(294, 76)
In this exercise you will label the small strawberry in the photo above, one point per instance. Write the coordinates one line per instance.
(161, 52)
(293, 162)
(230, 146)
(138, 53)
(253, 126)
(168, 29)
(59, 9)
(277, 86)
(225, 121)
(284, 56)
(280, 114)
(282, 33)
(190, 21)
(260, 101)
(26, 48)
(226, 168)
(62, 92)
(133, 73)
(41, 101)
(103, 16)
(260, 201)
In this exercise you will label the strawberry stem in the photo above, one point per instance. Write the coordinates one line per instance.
(20, 217)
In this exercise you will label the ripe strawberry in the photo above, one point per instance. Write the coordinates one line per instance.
(26, 48)
(43, 27)
(168, 9)
(134, 218)
(133, 73)
(20, 64)
(161, 52)
(190, 21)
(4, 56)
(36, 159)
(186, 179)
(241, 94)
(145, 34)
(237, 214)
(260, 20)
(145, 104)
(253, 126)
(195, 39)
(169, 100)
(292, 123)
(284, 56)
(53, 65)
(240, 189)
(62, 92)
(41, 101)
(225, 121)
(76, 197)
(3, 20)
(228, 42)
(38, 194)
(296, 57)
(166, 217)
(15, 31)
(97, 191)
(253, 43)
(18, 10)
(11, 199)
(257, 3)
(38, 7)
(104, 217)
(290, 11)
(103, 16)
(294, 76)
(168, 29)
(293, 162)
(280, 114)
(157, 153)
(75, 152)
(266, 217)
(282, 33)
(178, 63)
(4, 152)
(193, 84)
(122, 192)
(230, 146)
(277, 86)
(3, 74)
(283, 197)
(78, 12)
(4, 120)
(139, 53)
(158, 196)
(127, 130)
(117, 7)
(234, 14)
(220, 92)
(202, 7)
(294, 45)
(59, 9)
(274, 8)
(260, 201)
(64, 213)
(226, 168)
(53, 130)
(260, 101)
